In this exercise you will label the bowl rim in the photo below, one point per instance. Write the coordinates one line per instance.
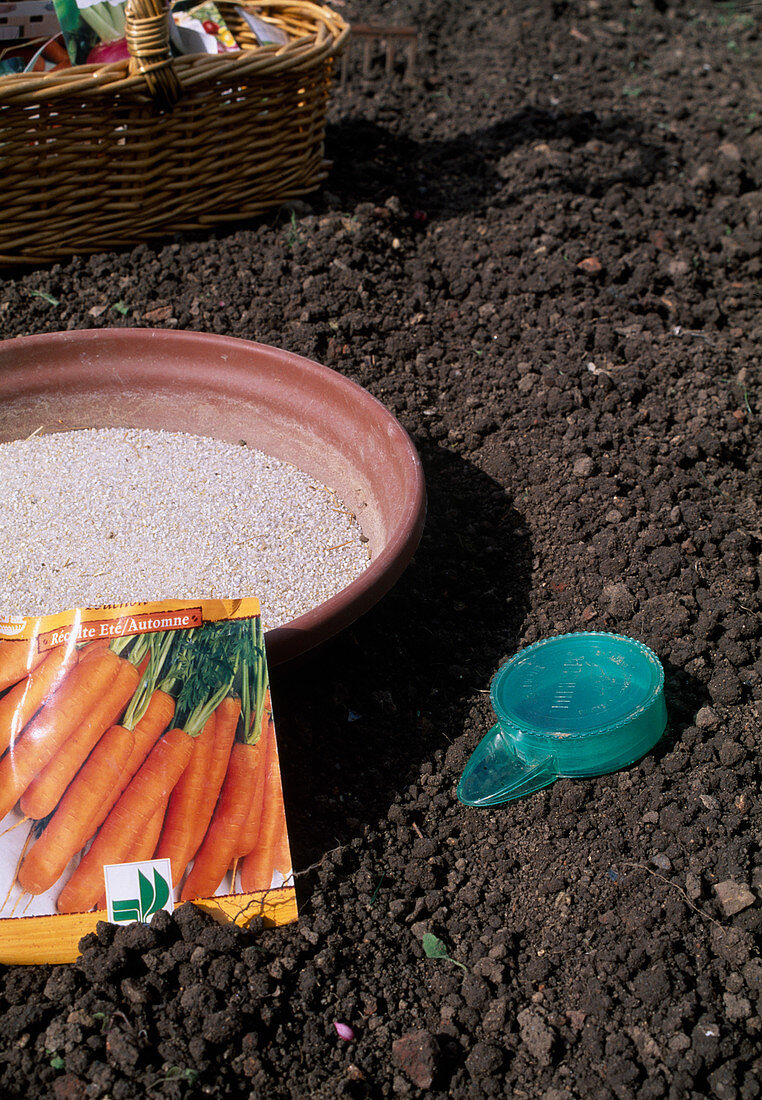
(303, 633)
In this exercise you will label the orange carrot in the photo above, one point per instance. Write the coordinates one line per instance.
(54, 51)
(46, 789)
(79, 813)
(250, 829)
(228, 713)
(148, 730)
(53, 725)
(95, 789)
(218, 848)
(197, 820)
(271, 852)
(94, 647)
(146, 845)
(120, 833)
(241, 795)
(175, 841)
(17, 659)
(19, 705)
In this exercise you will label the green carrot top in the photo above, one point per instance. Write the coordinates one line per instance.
(254, 683)
(200, 667)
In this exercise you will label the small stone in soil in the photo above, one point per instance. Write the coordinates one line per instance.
(733, 897)
(536, 1035)
(692, 886)
(620, 599)
(583, 467)
(417, 1053)
(663, 862)
(707, 719)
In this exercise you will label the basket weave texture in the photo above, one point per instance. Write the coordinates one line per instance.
(101, 156)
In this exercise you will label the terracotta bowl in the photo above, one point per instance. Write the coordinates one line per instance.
(287, 406)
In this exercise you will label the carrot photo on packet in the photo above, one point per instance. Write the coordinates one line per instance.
(138, 734)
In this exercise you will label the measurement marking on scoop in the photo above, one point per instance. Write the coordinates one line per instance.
(567, 684)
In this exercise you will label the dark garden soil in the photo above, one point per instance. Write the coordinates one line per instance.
(544, 257)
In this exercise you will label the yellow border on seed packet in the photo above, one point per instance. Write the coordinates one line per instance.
(27, 941)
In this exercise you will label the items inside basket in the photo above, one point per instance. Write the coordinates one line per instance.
(48, 35)
(202, 28)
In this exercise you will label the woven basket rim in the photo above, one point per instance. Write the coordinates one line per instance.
(328, 37)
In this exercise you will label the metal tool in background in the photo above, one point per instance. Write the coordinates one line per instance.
(371, 41)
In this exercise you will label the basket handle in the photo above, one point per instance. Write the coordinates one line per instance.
(146, 29)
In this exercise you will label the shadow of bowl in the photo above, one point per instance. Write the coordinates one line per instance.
(235, 390)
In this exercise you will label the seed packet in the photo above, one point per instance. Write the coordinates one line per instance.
(200, 28)
(139, 770)
(208, 15)
(88, 25)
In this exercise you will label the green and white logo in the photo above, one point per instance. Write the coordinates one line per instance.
(135, 891)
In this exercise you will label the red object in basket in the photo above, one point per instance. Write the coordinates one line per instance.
(106, 52)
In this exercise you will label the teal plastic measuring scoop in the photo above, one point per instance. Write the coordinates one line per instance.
(574, 705)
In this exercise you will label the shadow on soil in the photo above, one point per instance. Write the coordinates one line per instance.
(685, 695)
(357, 717)
(453, 175)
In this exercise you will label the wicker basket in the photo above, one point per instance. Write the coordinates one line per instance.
(101, 156)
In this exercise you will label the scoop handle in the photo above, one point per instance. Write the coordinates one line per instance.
(495, 772)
